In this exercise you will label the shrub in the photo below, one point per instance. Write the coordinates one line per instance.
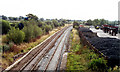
(92, 56)
(28, 30)
(48, 28)
(52, 25)
(5, 48)
(16, 35)
(37, 31)
(98, 65)
(5, 27)
(5, 39)
(32, 31)
(75, 24)
(55, 22)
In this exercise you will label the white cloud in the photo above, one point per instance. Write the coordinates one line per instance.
(70, 9)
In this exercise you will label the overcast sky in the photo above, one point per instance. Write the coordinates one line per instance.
(67, 9)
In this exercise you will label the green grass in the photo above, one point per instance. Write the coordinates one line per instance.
(80, 55)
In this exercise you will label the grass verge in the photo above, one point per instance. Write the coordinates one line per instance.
(81, 57)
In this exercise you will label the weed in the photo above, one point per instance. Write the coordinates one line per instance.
(92, 56)
(73, 62)
(29, 48)
(98, 65)
(4, 39)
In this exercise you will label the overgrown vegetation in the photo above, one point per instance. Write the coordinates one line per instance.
(21, 35)
(83, 59)
(76, 24)
(29, 28)
(98, 65)
(16, 35)
(5, 26)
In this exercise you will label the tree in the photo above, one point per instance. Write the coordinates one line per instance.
(89, 22)
(75, 24)
(63, 22)
(48, 28)
(48, 22)
(31, 16)
(11, 18)
(41, 19)
(37, 31)
(102, 22)
(4, 17)
(40, 23)
(5, 26)
(55, 22)
(15, 18)
(28, 30)
(21, 17)
(16, 35)
(96, 22)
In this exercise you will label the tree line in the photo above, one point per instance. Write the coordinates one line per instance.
(94, 22)
(29, 28)
(100, 22)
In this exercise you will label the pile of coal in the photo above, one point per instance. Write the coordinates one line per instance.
(82, 29)
(108, 46)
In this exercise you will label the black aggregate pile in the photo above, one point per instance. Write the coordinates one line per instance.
(108, 46)
(87, 33)
(82, 29)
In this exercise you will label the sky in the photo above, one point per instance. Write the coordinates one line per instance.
(66, 9)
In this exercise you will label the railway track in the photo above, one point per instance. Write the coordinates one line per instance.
(45, 56)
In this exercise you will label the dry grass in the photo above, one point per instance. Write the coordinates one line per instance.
(76, 37)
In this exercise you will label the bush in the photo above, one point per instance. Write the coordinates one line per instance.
(48, 28)
(16, 35)
(92, 56)
(98, 65)
(5, 27)
(37, 31)
(5, 39)
(5, 48)
(32, 31)
(28, 30)
(55, 22)
(40, 23)
(75, 24)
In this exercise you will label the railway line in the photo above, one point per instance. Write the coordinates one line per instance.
(47, 55)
